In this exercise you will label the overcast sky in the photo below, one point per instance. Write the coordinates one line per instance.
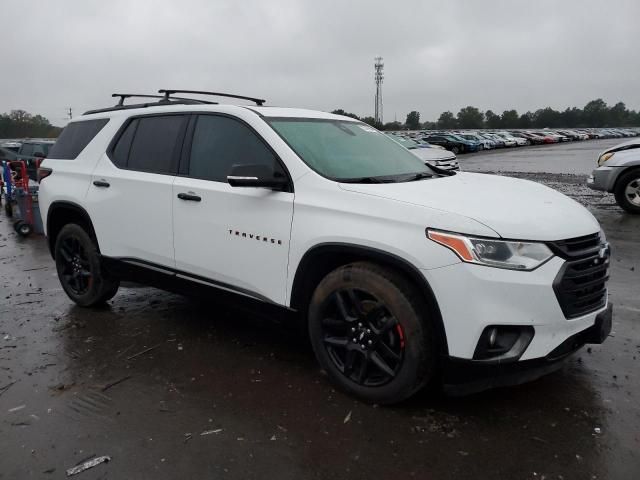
(438, 55)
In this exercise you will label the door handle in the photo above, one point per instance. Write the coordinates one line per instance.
(189, 197)
(101, 183)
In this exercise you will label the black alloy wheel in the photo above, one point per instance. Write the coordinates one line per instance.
(363, 339)
(79, 268)
(76, 270)
(373, 332)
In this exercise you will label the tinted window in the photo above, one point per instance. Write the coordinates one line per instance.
(154, 146)
(220, 142)
(26, 149)
(73, 139)
(120, 154)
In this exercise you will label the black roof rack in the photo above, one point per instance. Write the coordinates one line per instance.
(161, 101)
(124, 96)
(168, 93)
(168, 99)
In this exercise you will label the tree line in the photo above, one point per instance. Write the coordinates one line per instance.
(595, 113)
(21, 124)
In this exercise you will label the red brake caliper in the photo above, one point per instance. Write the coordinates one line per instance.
(401, 335)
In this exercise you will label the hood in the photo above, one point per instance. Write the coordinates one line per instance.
(432, 154)
(628, 145)
(513, 208)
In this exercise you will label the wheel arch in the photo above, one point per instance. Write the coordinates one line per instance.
(321, 259)
(634, 167)
(61, 213)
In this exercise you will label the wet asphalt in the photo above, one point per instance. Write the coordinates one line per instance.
(172, 387)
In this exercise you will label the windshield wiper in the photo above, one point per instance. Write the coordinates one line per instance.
(418, 176)
(362, 180)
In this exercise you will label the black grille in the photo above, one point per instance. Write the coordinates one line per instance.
(581, 283)
(580, 246)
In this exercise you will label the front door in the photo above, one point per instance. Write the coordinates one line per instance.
(235, 237)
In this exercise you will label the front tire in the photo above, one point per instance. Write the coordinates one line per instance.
(455, 150)
(79, 269)
(627, 191)
(373, 333)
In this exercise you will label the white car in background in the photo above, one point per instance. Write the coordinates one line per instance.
(511, 141)
(434, 155)
(508, 142)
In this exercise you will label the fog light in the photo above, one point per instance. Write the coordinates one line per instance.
(503, 342)
(493, 335)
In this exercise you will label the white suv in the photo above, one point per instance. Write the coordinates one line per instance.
(403, 274)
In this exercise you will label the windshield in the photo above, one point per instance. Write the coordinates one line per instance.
(347, 151)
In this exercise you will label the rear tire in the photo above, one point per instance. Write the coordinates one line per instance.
(373, 333)
(455, 150)
(8, 209)
(79, 268)
(627, 191)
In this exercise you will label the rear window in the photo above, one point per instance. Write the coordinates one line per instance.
(75, 137)
(150, 144)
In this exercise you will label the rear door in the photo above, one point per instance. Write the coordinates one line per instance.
(233, 237)
(130, 195)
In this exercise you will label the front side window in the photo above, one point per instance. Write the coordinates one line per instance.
(347, 151)
(221, 142)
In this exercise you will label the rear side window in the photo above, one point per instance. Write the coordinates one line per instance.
(221, 142)
(150, 144)
(120, 153)
(74, 138)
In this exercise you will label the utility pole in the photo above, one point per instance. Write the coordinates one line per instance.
(70, 113)
(379, 76)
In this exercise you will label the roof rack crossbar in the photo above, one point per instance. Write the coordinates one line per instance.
(168, 93)
(124, 96)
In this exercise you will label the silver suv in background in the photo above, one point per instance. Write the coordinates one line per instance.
(618, 172)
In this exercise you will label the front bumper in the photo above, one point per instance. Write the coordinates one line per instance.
(461, 376)
(473, 297)
(603, 178)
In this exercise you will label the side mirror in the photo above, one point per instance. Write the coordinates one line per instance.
(256, 175)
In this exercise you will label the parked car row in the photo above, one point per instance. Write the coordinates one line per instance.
(434, 155)
(466, 141)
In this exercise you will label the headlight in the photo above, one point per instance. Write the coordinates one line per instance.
(512, 255)
(604, 157)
